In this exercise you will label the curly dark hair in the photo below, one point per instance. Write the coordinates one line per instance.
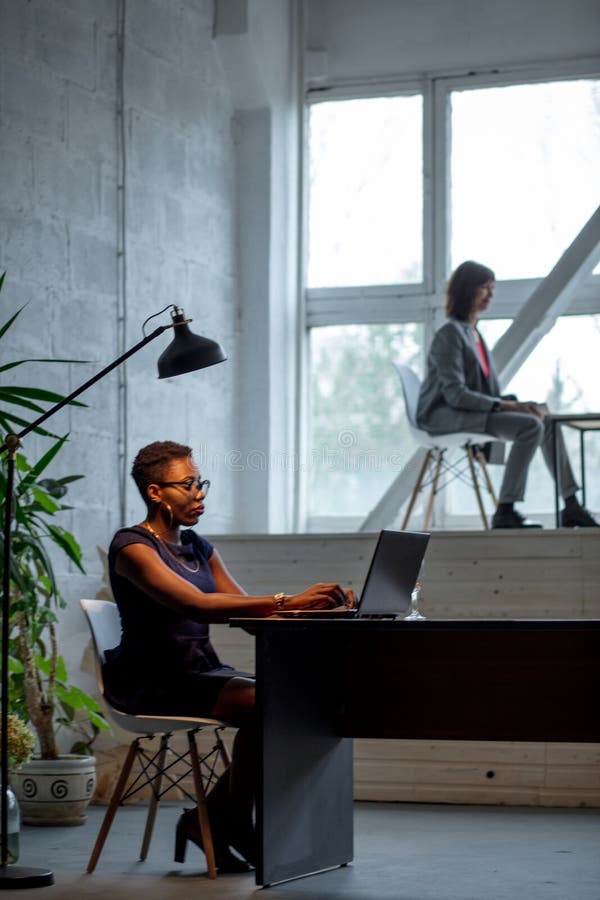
(462, 285)
(149, 465)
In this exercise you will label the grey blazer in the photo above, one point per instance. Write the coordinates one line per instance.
(456, 395)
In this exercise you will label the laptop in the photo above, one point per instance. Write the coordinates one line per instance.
(392, 575)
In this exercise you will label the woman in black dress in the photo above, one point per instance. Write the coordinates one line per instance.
(169, 583)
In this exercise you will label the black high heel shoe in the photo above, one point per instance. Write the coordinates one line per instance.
(188, 829)
(243, 841)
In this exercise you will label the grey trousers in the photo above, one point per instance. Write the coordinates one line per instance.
(527, 433)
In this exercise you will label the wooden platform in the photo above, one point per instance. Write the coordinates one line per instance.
(541, 574)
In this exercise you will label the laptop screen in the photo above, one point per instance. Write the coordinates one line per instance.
(393, 573)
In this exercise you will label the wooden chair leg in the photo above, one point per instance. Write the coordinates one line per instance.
(416, 489)
(486, 476)
(202, 808)
(156, 784)
(432, 495)
(470, 457)
(113, 805)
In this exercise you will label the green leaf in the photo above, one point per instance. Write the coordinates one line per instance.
(32, 548)
(43, 664)
(37, 394)
(47, 504)
(21, 362)
(11, 397)
(23, 583)
(8, 421)
(53, 487)
(80, 748)
(21, 463)
(67, 543)
(68, 479)
(71, 696)
(74, 700)
(8, 324)
(61, 670)
(41, 464)
(88, 702)
(15, 665)
(98, 720)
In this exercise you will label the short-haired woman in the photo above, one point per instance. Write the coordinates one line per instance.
(169, 583)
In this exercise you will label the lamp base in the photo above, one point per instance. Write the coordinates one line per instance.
(15, 877)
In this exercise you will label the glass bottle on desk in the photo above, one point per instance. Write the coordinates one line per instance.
(413, 614)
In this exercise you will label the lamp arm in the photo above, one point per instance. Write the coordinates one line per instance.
(80, 390)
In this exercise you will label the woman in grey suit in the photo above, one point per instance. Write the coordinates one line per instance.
(461, 392)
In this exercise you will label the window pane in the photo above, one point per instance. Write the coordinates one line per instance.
(359, 439)
(525, 174)
(365, 219)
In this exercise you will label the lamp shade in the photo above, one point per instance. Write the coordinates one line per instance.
(188, 351)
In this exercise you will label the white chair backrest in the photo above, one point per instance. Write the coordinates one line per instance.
(105, 624)
(411, 385)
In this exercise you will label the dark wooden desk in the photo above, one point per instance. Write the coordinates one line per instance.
(320, 682)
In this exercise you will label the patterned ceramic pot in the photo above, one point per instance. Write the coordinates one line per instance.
(55, 791)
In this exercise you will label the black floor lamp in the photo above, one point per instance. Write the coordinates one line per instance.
(187, 352)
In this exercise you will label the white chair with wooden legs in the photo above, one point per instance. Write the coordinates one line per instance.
(435, 462)
(166, 765)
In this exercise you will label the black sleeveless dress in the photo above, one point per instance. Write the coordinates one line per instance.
(165, 663)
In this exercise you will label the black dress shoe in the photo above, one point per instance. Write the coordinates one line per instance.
(512, 519)
(188, 829)
(577, 517)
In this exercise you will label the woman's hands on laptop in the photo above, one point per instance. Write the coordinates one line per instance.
(327, 596)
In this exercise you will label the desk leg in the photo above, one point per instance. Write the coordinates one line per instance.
(304, 804)
(555, 462)
(582, 458)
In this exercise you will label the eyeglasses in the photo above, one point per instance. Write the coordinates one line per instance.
(188, 484)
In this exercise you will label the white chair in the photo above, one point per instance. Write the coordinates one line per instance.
(437, 446)
(156, 766)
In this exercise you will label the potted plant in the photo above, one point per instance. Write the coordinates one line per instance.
(40, 691)
(39, 686)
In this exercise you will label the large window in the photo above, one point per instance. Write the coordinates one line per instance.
(400, 189)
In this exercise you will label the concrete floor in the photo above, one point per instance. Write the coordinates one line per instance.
(403, 852)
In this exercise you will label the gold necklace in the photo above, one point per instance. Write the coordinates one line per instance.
(173, 556)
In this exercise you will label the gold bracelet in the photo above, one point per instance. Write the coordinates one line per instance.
(279, 599)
